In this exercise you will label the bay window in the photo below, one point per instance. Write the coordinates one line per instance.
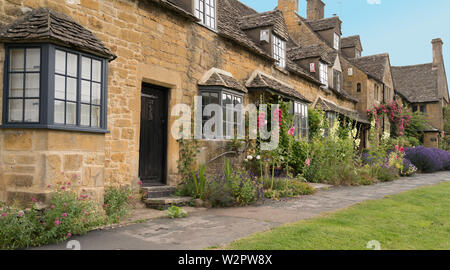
(300, 111)
(222, 97)
(54, 87)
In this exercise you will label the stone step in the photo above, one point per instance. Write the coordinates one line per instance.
(159, 191)
(163, 203)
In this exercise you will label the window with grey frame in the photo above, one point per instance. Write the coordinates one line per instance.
(48, 86)
(205, 10)
(222, 98)
(23, 90)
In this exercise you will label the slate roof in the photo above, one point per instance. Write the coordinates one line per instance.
(48, 25)
(272, 18)
(261, 80)
(416, 83)
(329, 106)
(374, 65)
(304, 52)
(216, 77)
(351, 41)
(324, 24)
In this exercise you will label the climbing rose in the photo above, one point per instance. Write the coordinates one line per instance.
(64, 215)
(68, 235)
(292, 131)
(57, 222)
(402, 149)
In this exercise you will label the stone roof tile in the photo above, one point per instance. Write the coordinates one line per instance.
(272, 18)
(44, 24)
(416, 83)
(374, 65)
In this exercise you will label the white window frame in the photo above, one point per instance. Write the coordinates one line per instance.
(358, 54)
(279, 51)
(206, 11)
(301, 124)
(323, 73)
(336, 41)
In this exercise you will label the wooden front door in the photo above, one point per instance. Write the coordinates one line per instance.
(153, 137)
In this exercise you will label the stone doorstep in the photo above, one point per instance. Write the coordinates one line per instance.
(166, 202)
(159, 191)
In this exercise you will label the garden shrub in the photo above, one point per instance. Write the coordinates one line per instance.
(283, 188)
(428, 160)
(117, 203)
(68, 214)
(176, 212)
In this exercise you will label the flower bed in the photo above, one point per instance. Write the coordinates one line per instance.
(428, 160)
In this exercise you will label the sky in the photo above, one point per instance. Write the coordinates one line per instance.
(402, 28)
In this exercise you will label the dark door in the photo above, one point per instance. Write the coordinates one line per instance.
(153, 146)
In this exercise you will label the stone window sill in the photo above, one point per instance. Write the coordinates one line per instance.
(54, 127)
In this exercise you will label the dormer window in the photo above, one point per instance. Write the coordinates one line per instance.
(205, 10)
(337, 41)
(323, 70)
(357, 54)
(279, 51)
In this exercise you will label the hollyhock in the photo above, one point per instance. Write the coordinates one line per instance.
(308, 162)
(292, 131)
(57, 222)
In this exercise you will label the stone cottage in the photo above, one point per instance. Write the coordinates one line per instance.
(424, 88)
(363, 81)
(89, 85)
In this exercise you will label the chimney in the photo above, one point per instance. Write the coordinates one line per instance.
(315, 9)
(438, 59)
(288, 6)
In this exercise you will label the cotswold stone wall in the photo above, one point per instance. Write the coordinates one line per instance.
(153, 45)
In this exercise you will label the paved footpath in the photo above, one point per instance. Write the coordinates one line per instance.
(215, 227)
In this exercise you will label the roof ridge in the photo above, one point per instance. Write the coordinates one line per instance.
(410, 66)
(374, 55)
(261, 13)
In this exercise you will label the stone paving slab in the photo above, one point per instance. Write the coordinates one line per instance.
(216, 227)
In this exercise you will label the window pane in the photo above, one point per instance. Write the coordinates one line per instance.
(96, 93)
(33, 59)
(15, 110)
(95, 120)
(32, 110)
(16, 85)
(59, 112)
(60, 62)
(96, 70)
(17, 60)
(60, 87)
(71, 89)
(72, 65)
(85, 91)
(32, 85)
(86, 68)
(71, 113)
(85, 115)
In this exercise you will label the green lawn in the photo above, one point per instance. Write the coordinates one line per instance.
(414, 220)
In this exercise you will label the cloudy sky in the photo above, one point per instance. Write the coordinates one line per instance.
(403, 28)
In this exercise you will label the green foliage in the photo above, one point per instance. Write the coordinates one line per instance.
(416, 127)
(117, 203)
(176, 212)
(315, 120)
(283, 188)
(67, 215)
(187, 161)
(384, 174)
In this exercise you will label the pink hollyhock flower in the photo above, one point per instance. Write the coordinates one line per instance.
(4, 214)
(140, 183)
(68, 235)
(402, 149)
(57, 222)
(398, 157)
(292, 131)
(64, 215)
(308, 162)
(396, 148)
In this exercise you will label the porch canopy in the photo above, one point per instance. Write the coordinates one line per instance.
(329, 106)
(261, 81)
